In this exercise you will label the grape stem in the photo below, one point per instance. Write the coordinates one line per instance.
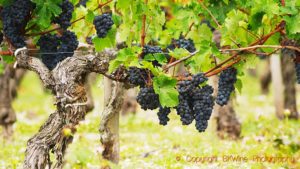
(263, 46)
(58, 27)
(209, 12)
(190, 28)
(179, 61)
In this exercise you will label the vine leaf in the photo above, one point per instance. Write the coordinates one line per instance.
(125, 57)
(178, 53)
(239, 85)
(159, 57)
(44, 11)
(164, 86)
(108, 41)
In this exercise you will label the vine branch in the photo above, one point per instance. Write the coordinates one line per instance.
(179, 61)
(212, 16)
(190, 28)
(257, 42)
(263, 46)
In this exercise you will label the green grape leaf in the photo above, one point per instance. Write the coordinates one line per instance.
(45, 10)
(239, 85)
(292, 24)
(108, 41)
(159, 57)
(149, 65)
(125, 57)
(178, 53)
(252, 61)
(90, 16)
(165, 87)
(273, 40)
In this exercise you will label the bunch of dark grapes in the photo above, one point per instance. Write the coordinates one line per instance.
(64, 19)
(14, 18)
(195, 102)
(48, 46)
(69, 44)
(82, 2)
(184, 110)
(103, 24)
(203, 103)
(187, 44)
(226, 85)
(55, 49)
(152, 50)
(163, 115)
(286, 51)
(137, 76)
(293, 54)
(148, 99)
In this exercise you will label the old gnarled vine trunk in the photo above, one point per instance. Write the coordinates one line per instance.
(289, 82)
(228, 125)
(67, 83)
(7, 114)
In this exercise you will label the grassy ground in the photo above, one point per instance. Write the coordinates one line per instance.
(145, 144)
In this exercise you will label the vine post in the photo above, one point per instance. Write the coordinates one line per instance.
(277, 85)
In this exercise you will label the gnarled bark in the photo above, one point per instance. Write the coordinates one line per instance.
(67, 83)
(109, 124)
(228, 125)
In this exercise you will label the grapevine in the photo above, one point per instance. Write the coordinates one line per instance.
(168, 50)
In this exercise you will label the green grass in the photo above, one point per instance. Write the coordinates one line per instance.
(145, 144)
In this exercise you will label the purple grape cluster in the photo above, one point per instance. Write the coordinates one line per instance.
(187, 44)
(195, 102)
(103, 24)
(148, 99)
(55, 49)
(64, 19)
(163, 115)
(226, 85)
(14, 18)
(137, 76)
